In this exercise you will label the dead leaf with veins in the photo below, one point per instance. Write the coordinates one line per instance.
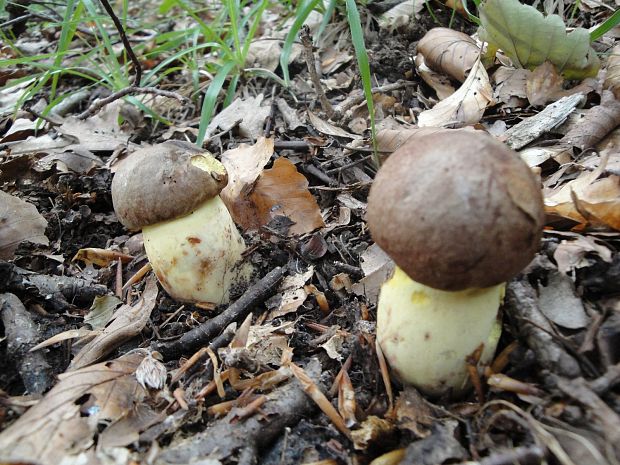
(588, 200)
(465, 106)
(19, 221)
(67, 419)
(279, 192)
(128, 321)
(244, 165)
(248, 113)
(449, 52)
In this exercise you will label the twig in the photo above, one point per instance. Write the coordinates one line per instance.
(306, 41)
(202, 334)
(359, 97)
(99, 104)
(126, 44)
(285, 406)
(531, 455)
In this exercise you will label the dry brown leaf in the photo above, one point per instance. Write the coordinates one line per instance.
(571, 255)
(128, 322)
(279, 191)
(439, 82)
(598, 122)
(19, 221)
(99, 133)
(377, 267)
(588, 200)
(465, 106)
(291, 294)
(449, 52)
(248, 113)
(328, 128)
(264, 53)
(400, 14)
(65, 421)
(544, 84)
(510, 86)
(612, 78)
(100, 257)
(244, 165)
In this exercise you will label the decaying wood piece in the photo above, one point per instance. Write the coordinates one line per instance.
(521, 303)
(530, 129)
(58, 290)
(22, 334)
(226, 438)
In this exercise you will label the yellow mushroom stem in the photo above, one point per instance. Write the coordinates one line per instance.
(426, 334)
(197, 257)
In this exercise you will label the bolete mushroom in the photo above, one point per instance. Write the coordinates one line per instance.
(171, 191)
(460, 214)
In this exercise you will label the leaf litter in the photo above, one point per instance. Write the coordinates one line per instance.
(298, 182)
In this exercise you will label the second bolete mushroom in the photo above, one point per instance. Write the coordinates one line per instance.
(171, 192)
(460, 214)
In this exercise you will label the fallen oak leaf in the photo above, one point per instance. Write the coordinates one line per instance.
(19, 221)
(65, 421)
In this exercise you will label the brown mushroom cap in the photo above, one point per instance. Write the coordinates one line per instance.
(456, 210)
(164, 182)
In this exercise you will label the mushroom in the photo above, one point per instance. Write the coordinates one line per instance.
(460, 214)
(171, 191)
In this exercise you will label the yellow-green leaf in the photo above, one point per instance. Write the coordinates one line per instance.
(530, 39)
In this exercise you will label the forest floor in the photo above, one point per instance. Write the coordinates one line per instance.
(289, 371)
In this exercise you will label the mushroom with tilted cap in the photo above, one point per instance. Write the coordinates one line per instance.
(460, 214)
(171, 191)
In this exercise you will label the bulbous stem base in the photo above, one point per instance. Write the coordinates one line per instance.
(426, 334)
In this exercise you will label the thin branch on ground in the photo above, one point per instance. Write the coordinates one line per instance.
(99, 104)
(126, 44)
(203, 334)
(306, 41)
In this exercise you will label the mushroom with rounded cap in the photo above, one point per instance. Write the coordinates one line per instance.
(460, 214)
(171, 191)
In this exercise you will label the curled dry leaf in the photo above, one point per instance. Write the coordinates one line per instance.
(279, 191)
(588, 200)
(598, 122)
(439, 82)
(450, 52)
(400, 14)
(19, 221)
(244, 164)
(612, 78)
(65, 421)
(571, 255)
(465, 106)
(128, 322)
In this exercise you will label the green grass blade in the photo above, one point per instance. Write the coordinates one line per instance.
(357, 36)
(302, 14)
(210, 101)
(607, 26)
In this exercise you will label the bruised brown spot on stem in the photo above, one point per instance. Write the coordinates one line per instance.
(427, 336)
(194, 240)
